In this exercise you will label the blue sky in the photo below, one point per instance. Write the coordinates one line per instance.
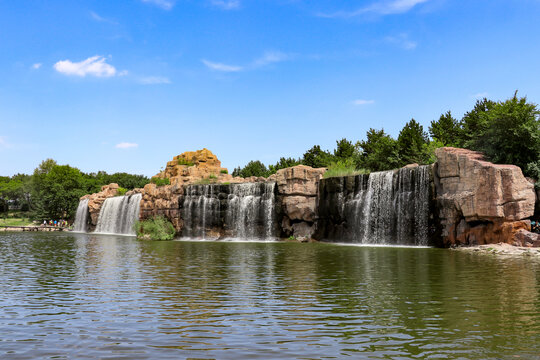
(126, 85)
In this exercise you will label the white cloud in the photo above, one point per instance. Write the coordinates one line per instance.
(226, 4)
(126, 145)
(94, 66)
(164, 4)
(363, 102)
(154, 80)
(221, 67)
(480, 95)
(36, 66)
(99, 18)
(403, 41)
(380, 8)
(269, 58)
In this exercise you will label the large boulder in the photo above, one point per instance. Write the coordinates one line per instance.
(477, 198)
(299, 180)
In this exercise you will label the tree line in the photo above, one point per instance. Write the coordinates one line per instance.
(53, 190)
(507, 132)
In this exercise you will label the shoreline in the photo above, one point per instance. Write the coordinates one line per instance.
(500, 249)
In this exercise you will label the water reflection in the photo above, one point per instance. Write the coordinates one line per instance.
(91, 296)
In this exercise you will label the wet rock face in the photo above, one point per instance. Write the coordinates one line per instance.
(297, 196)
(477, 199)
(389, 207)
(244, 211)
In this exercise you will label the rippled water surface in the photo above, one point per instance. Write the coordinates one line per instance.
(87, 296)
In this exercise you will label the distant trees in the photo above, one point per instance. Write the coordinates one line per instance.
(53, 191)
(505, 131)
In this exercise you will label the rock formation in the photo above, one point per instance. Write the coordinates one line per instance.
(194, 166)
(162, 201)
(480, 202)
(96, 200)
(297, 194)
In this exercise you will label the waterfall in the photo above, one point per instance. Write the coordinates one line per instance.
(243, 211)
(388, 207)
(118, 215)
(81, 216)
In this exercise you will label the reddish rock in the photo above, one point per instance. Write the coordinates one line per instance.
(480, 202)
(527, 238)
(299, 180)
(297, 189)
(96, 200)
(300, 207)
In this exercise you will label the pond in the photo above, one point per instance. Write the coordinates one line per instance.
(65, 295)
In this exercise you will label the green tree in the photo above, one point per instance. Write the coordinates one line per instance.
(345, 149)
(253, 168)
(512, 134)
(412, 143)
(446, 130)
(378, 152)
(283, 163)
(317, 158)
(56, 194)
(474, 123)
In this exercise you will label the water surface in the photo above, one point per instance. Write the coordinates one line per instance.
(93, 296)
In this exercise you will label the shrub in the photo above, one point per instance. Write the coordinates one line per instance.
(343, 168)
(212, 177)
(223, 171)
(182, 161)
(121, 191)
(160, 182)
(156, 228)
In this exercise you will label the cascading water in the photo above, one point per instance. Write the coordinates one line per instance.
(119, 214)
(81, 217)
(243, 211)
(389, 207)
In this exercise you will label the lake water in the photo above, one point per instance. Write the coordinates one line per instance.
(84, 296)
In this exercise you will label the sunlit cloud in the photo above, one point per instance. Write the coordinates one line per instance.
(221, 67)
(36, 66)
(93, 66)
(164, 4)
(226, 5)
(363, 102)
(126, 145)
(379, 8)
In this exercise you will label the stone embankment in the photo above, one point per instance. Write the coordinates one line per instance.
(482, 203)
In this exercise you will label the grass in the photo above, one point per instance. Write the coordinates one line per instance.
(160, 182)
(212, 177)
(13, 221)
(182, 161)
(156, 228)
(121, 191)
(224, 171)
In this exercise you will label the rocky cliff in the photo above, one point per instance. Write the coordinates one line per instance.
(297, 196)
(479, 202)
(162, 201)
